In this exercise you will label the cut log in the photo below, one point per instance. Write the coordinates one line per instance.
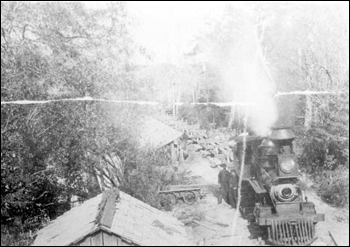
(198, 223)
(216, 222)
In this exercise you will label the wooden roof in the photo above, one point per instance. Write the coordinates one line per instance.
(156, 134)
(77, 222)
(121, 215)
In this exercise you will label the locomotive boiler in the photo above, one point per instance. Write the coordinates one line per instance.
(272, 191)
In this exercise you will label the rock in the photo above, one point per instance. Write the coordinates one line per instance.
(231, 143)
(205, 154)
(214, 161)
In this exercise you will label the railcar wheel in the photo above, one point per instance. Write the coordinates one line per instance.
(172, 198)
(165, 201)
(162, 200)
(190, 197)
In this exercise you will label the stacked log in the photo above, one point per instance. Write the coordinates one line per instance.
(213, 145)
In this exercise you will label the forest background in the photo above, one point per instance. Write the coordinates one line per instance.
(51, 152)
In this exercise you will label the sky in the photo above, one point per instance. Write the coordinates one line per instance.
(167, 29)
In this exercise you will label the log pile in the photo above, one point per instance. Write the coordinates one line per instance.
(213, 145)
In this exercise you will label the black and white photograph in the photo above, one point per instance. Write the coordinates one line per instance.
(174, 123)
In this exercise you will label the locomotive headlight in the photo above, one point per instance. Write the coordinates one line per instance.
(287, 192)
(288, 165)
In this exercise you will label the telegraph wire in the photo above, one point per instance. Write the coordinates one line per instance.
(31, 102)
(222, 104)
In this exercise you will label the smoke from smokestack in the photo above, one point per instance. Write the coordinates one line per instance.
(241, 63)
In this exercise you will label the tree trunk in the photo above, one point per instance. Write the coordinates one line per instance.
(173, 154)
(232, 116)
(308, 112)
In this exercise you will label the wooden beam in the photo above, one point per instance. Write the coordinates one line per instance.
(335, 242)
(109, 239)
(97, 240)
(173, 155)
(107, 208)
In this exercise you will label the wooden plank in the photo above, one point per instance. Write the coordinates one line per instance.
(178, 190)
(97, 240)
(86, 242)
(335, 242)
(123, 243)
(198, 223)
(109, 239)
(181, 155)
(108, 212)
(119, 241)
(257, 188)
(187, 186)
(108, 207)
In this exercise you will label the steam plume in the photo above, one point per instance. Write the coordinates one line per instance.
(245, 75)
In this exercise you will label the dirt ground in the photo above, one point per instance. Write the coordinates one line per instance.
(213, 225)
(334, 223)
(215, 228)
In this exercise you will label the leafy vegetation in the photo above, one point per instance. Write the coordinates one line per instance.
(324, 151)
(152, 174)
(52, 152)
(207, 116)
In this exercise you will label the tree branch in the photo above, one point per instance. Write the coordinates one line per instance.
(72, 37)
(328, 74)
(49, 127)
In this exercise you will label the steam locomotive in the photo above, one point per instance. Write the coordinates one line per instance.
(272, 191)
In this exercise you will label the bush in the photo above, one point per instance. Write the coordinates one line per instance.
(14, 236)
(153, 172)
(325, 157)
(207, 116)
(333, 186)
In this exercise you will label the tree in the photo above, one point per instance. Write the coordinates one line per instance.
(308, 49)
(55, 51)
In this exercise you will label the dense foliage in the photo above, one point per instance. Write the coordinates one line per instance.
(207, 116)
(50, 153)
(324, 150)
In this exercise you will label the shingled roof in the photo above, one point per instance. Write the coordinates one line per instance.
(156, 134)
(118, 214)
